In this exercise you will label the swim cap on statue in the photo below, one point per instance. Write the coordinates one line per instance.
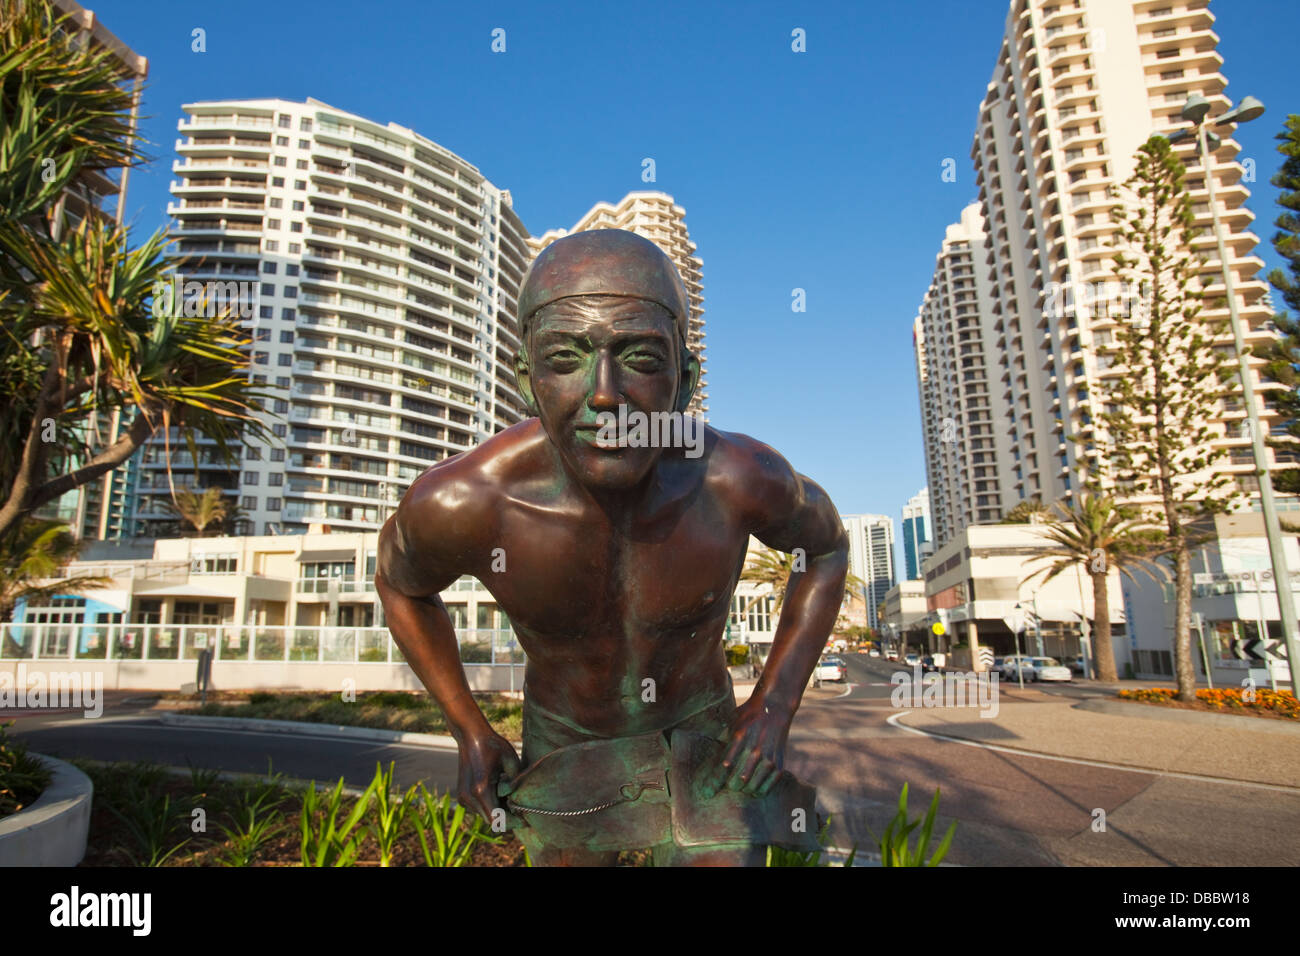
(603, 262)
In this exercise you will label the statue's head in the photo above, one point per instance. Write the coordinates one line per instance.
(603, 317)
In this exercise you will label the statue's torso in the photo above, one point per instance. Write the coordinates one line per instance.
(603, 610)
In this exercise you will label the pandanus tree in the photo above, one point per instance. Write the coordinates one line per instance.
(83, 330)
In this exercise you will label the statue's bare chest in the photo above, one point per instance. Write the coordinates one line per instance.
(555, 575)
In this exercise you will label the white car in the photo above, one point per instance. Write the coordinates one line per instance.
(1049, 668)
(830, 668)
(873, 653)
(912, 660)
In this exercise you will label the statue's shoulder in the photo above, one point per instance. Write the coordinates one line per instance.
(745, 457)
(755, 476)
(472, 484)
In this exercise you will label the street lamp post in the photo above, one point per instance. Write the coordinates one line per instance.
(1195, 112)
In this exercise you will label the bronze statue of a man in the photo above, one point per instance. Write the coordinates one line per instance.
(615, 561)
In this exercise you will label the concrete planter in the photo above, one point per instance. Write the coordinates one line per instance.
(52, 831)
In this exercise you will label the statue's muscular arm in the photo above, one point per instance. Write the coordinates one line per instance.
(439, 528)
(790, 513)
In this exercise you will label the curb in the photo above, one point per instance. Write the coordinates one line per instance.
(1125, 708)
(53, 830)
(435, 741)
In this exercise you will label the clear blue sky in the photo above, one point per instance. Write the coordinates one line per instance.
(818, 170)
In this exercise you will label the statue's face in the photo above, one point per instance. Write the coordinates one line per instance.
(591, 354)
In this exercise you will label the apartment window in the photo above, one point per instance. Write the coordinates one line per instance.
(273, 224)
(281, 161)
(279, 431)
(268, 288)
(288, 315)
(260, 358)
(1167, 54)
(287, 336)
(1166, 32)
(250, 503)
(291, 269)
(268, 267)
(277, 454)
(285, 360)
(299, 205)
(259, 379)
(252, 453)
(291, 292)
(277, 479)
(285, 120)
(277, 180)
(304, 144)
(275, 203)
(250, 477)
(265, 311)
(272, 504)
(295, 227)
(295, 248)
(305, 125)
(1172, 75)
(281, 381)
(299, 184)
(282, 141)
(302, 164)
(272, 245)
(262, 335)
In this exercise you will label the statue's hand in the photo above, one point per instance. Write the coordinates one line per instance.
(483, 761)
(755, 750)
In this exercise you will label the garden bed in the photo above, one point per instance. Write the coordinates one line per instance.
(384, 710)
(1273, 705)
(144, 815)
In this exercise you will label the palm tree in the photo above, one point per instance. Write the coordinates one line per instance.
(1029, 511)
(36, 552)
(81, 329)
(1100, 534)
(198, 510)
(773, 567)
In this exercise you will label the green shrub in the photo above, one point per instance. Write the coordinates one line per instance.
(398, 699)
(737, 655)
(894, 849)
(23, 778)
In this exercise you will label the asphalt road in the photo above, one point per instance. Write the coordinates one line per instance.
(131, 733)
(1017, 809)
(1012, 809)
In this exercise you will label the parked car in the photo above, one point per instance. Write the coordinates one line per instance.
(912, 660)
(873, 653)
(1014, 666)
(934, 662)
(1049, 668)
(996, 665)
(1076, 664)
(830, 668)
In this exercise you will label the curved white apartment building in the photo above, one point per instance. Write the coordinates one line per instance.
(657, 217)
(1079, 85)
(384, 271)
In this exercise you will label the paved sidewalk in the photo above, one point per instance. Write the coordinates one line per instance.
(1258, 750)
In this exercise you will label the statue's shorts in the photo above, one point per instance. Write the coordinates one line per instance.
(583, 791)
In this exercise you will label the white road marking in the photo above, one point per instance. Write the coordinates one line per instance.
(892, 721)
